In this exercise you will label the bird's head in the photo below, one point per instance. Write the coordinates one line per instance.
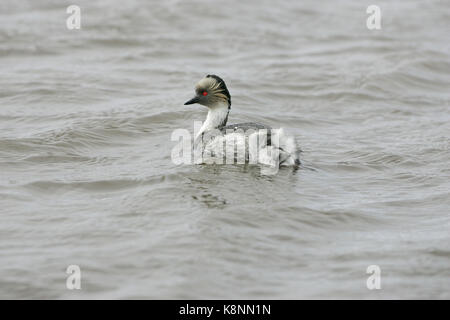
(211, 91)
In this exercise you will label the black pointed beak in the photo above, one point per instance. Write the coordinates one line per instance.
(192, 101)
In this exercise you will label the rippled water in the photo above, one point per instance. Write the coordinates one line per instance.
(86, 176)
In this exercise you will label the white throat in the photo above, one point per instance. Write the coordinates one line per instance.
(217, 115)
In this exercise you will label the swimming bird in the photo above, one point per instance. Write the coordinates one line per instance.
(273, 147)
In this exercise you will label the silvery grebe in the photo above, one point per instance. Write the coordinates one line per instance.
(212, 92)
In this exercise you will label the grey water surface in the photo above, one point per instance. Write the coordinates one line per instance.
(87, 179)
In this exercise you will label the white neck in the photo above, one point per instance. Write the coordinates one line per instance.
(216, 117)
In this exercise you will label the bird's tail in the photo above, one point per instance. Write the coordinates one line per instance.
(289, 151)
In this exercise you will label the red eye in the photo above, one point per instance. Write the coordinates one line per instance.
(205, 93)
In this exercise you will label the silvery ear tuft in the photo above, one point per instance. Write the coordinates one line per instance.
(222, 86)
